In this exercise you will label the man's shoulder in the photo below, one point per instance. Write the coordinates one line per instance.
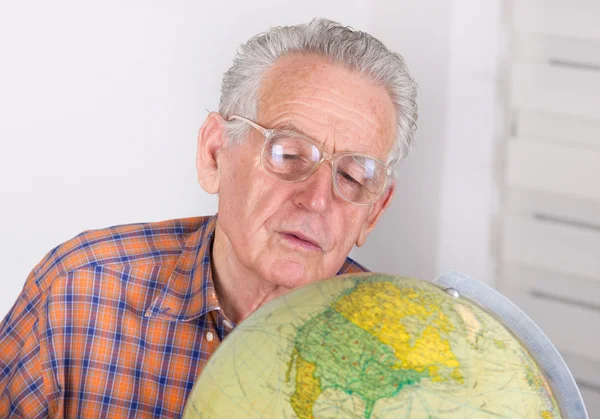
(350, 266)
(154, 243)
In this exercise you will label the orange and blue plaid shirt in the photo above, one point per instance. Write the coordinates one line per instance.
(115, 323)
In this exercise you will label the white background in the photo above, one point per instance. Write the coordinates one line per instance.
(100, 103)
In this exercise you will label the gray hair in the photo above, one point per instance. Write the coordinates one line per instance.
(351, 49)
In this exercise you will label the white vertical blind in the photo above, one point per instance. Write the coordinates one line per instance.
(550, 263)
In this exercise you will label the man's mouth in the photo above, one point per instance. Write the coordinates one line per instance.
(299, 239)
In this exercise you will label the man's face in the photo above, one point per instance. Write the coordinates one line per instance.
(291, 234)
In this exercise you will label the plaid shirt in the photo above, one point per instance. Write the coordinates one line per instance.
(115, 323)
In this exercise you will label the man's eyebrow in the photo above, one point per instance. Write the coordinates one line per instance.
(289, 126)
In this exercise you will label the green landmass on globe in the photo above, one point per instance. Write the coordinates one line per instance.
(371, 346)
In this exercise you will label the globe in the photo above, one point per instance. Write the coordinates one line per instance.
(383, 346)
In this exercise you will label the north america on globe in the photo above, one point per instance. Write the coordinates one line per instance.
(372, 346)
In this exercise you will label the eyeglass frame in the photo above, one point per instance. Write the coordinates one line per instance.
(332, 158)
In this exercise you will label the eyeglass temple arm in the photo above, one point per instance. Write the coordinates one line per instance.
(254, 124)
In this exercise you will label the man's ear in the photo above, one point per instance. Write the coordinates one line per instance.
(212, 138)
(375, 212)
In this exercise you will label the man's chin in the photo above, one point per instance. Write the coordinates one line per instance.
(289, 274)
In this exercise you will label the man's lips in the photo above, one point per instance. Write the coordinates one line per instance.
(299, 239)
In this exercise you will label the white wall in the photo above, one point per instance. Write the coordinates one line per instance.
(100, 103)
(443, 213)
(406, 240)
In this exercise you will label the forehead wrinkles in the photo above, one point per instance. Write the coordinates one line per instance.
(350, 96)
(337, 99)
(344, 120)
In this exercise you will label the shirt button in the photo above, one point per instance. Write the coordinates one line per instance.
(209, 336)
(227, 323)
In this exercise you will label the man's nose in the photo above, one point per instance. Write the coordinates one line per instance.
(316, 192)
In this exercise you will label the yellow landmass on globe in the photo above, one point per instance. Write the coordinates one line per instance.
(380, 308)
(308, 387)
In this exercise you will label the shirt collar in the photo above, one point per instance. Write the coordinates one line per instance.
(190, 290)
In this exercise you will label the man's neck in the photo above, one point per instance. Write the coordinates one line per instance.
(240, 290)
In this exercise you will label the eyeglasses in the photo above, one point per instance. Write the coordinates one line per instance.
(292, 157)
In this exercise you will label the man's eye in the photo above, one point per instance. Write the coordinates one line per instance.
(349, 178)
(282, 154)
(291, 156)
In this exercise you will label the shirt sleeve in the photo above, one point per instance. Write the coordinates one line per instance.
(23, 382)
